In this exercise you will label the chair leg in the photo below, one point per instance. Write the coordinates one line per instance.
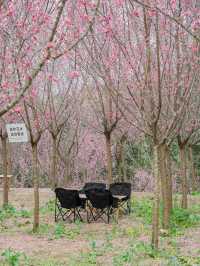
(88, 218)
(62, 213)
(129, 206)
(74, 212)
(92, 215)
(108, 214)
(79, 215)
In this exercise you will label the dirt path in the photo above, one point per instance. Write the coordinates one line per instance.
(36, 246)
(189, 244)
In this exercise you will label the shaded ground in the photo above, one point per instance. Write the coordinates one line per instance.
(125, 243)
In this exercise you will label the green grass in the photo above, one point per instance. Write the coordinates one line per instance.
(58, 230)
(195, 193)
(12, 257)
(142, 208)
(95, 251)
(49, 207)
(180, 218)
(7, 212)
(183, 218)
(136, 251)
(133, 232)
(11, 212)
(46, 262)
(61, 230)
(183, 261)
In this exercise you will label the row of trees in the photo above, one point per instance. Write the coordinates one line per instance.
(119, 67)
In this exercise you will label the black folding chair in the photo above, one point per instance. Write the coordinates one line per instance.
(67, 204)
(121, 189)
(99, 205)
(88, 186)
(94, 185)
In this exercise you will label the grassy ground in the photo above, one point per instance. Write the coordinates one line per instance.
(82, 244)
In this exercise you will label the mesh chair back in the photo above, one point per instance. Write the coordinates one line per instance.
(68, 198)
(121, 188)
(94, 185)
(99, 199)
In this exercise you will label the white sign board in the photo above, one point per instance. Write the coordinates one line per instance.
(17, 133)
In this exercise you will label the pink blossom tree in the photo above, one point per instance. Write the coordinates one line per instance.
(91, 157)
(99, 59)
(63, 92)
(6, 152)
(152, 80)
(33, 115)
(34, 33)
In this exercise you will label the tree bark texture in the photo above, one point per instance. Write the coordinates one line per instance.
(169, 178)
(9, 162)
(109, 158)
(67, 177)
(156, 204)
(166, 184)
(121, 161)
(184, 181)
(123, 164)
(54, 177)
(5, 171)
(36, 187)
(192, 171)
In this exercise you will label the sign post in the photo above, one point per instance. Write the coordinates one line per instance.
(17, 133)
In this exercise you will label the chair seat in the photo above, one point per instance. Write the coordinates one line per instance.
(67, 204)
(123, 189)
(99, 206)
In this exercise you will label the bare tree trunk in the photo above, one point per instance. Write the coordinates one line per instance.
(9, 164)
(5, 171)
(36, 187)
(120, 159)
(54, 178)
(192, 170)
(193, 177)
(66, 176)
(184, 183)
(166, 185)
(169, 179)
(124, 168)
(109, 158)
(156, 205)
(163, 178)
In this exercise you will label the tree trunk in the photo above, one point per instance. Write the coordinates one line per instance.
(184, 184)
(54, 180)
(169, 179)
(9, 165)
(120, 159)
(66, 175)
(109, 158)
(123, 163)
(36, 187)
(166, 185)
(192, 171)
(5, 171)
(163, 178)
(156, 205)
